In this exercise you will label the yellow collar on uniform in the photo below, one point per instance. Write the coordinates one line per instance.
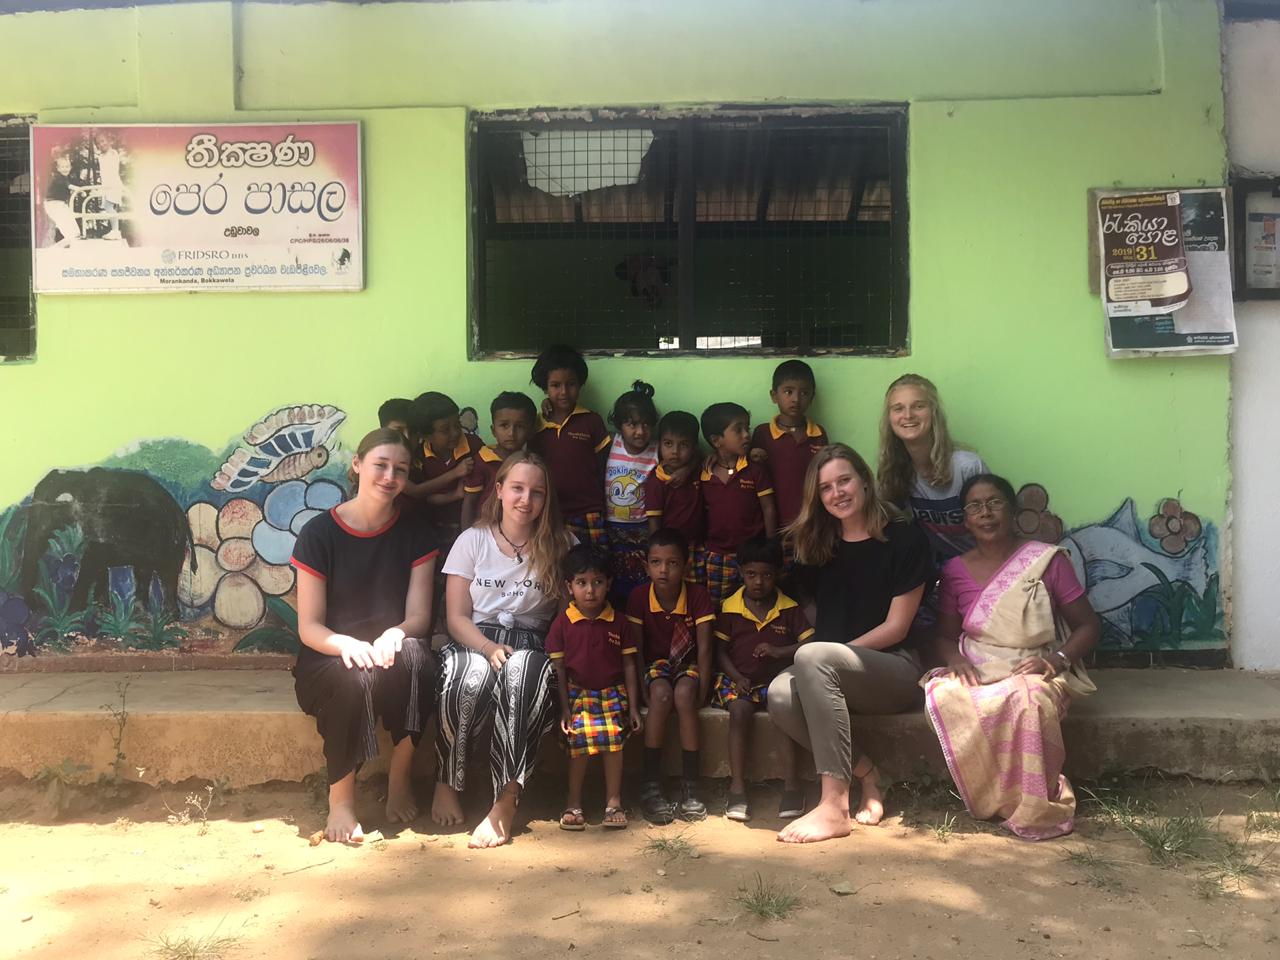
(557, 427)
(681, 607)
(489, 455)
(811, 429)
(739, 466)
(738, 604)
(575, 615)
(463, 449)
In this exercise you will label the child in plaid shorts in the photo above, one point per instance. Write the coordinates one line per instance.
(738, 495)
(597, 683)
(671, 622)
(759, 630)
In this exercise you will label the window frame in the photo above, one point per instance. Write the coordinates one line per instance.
(8, 121)
(892, 116)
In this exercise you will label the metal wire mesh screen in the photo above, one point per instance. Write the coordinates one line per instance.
(17, 313)
(690, 235)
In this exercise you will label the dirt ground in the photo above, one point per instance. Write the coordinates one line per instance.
(107, 880)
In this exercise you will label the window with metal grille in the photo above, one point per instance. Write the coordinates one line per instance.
(746, 232)
(17, 306)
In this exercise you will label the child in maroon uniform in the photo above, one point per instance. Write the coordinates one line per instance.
(759, 629)
(573, 442)
(395, 414)
(737, 492)
(513, 417)
(447, 456)
(673, 491)
(790, 439)
(671, 622)
(597, 680)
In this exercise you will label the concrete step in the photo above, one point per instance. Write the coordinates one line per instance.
(244, 727)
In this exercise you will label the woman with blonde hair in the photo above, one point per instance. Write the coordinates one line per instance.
(501, 594)
(920, 468)
(866, 570)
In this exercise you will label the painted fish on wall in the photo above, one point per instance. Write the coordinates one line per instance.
(285, 445)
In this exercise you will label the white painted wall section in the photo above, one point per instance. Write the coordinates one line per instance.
(1253, 133)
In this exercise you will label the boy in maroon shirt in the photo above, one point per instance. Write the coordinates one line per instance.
(673, 491)
(512, 419)
(573, 442)
(447, 457)
(737, 492)
(671, 622)
(759, 629)
(790, 439)
(597, 681)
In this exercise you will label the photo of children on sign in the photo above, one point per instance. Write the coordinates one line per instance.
(205, 207)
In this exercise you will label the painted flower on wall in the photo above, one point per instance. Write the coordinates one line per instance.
(1175, 528)
(1033, 518)
(242, 550)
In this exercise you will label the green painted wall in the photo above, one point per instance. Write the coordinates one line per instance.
(1015, 111)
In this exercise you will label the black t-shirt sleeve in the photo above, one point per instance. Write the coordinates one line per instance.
(313, 551)
(422, 545)
(910, 562)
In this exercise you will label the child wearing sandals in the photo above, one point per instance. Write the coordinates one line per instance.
(759, 629)
(597, 681)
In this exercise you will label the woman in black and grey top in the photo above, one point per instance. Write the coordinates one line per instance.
(364, 612)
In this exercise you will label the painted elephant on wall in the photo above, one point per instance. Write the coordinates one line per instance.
(127, 519)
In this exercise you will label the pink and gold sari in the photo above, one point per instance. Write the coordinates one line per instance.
(1003, 740)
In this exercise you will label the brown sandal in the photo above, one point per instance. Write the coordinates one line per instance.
(572, 819)
(615, 818)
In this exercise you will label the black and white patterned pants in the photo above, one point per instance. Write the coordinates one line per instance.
(514, 707)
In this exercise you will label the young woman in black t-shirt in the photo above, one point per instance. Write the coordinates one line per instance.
(364, 600)
(868, 571)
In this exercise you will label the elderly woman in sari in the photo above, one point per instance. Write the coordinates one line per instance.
(997, 707)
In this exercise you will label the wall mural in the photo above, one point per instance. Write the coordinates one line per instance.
(1155, 585)
(169, 546)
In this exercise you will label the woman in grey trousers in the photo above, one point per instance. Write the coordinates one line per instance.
(867, 570)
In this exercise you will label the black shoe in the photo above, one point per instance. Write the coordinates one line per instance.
(656, 808)
(791, 805)
(691, 808)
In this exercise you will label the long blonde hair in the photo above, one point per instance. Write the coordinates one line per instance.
(897, 473)
(549, 541)
(814, 532)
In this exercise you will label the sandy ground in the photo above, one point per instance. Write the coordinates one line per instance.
(109, 881)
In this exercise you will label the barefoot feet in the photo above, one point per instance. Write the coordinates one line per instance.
(446, 806)
(871, 811)
(402, 805)
(826, 821)
(342, 825)
(495, 829)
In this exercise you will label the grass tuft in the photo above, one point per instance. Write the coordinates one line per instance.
(678, 847)
(943, 831)
(768, 899)
(211, 946)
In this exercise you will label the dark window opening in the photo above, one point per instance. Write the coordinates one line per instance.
(755, 234)
(17, 305)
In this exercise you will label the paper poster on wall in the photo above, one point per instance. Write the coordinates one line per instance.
(1144, 265)
(1205, 323)
(165, 207)
(1261, 257)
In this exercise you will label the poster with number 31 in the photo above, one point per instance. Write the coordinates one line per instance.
(211, 207)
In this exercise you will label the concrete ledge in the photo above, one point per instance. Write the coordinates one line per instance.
(244, 727)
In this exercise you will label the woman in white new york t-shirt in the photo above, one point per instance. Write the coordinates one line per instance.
(501, 593)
